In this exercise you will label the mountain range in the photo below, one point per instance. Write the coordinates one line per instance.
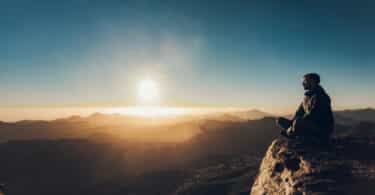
(114, 154)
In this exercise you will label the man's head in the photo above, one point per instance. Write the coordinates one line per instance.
(310, 80)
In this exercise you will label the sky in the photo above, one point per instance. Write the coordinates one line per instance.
(245, 54)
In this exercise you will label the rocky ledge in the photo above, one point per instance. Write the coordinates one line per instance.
(294, 167)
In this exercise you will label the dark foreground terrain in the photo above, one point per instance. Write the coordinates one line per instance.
(116, 166)
(223, 158)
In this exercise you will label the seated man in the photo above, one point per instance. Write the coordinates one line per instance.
(313, 118)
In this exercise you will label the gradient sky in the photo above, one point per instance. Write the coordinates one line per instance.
(203, 53)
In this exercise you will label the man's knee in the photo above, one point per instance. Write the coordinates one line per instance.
(283, 122)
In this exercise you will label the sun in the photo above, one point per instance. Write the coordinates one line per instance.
(148, 92)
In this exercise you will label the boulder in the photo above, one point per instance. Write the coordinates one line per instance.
(297, 167)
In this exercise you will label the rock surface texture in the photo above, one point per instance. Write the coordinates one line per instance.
(293, 167)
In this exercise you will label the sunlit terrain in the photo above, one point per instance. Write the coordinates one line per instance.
(51, 113)
(16, 114)
(143, 111)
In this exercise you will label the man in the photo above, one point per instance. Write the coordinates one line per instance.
(314, 117)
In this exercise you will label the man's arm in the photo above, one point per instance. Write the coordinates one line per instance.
(299, 113)
(315, 109)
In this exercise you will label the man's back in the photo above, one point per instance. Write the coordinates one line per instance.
(314, 117)
(316, 108)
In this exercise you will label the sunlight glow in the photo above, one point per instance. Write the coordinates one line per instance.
(148, 92)
(154, 111)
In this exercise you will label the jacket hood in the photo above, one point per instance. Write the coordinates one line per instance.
(318, 90)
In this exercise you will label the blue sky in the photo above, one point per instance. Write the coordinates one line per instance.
(202, 53)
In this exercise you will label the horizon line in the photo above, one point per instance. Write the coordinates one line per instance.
(28, 113)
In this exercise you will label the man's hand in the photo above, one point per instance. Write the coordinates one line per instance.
(288, 133)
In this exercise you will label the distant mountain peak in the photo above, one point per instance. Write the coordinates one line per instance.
(255, 110)
(97, 115)
(366, 114)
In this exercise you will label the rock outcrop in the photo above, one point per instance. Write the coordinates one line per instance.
(294, 167)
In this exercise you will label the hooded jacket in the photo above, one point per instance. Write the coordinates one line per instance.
(316, 108)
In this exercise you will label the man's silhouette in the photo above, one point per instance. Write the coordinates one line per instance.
(313, 118)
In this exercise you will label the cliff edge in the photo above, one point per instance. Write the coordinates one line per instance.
(293, 167)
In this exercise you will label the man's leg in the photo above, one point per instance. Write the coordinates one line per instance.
(306, 128)
(310, 130)
(284, 123)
